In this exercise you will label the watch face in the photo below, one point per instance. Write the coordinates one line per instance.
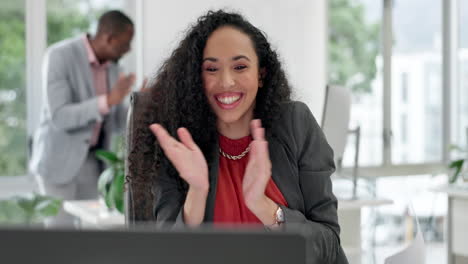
(280, 215)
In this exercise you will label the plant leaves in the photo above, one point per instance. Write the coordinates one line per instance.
(47, 208)
(108, 157)
(453, 147)
(27, 203)
(28, 208)
(108, 200)
(457, 165)
(104, 181)
(111, 181)
(116, 191)
(12, 213)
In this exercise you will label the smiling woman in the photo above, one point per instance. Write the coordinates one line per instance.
(231, 147)
(230, 74)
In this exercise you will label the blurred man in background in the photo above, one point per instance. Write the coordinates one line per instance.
(83, 104)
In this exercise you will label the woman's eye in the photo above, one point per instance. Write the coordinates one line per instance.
(240, 67)
(211, 69)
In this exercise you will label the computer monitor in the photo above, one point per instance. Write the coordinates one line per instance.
(143, 246)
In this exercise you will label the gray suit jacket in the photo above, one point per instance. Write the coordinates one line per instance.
(69, 112)
(302, 162)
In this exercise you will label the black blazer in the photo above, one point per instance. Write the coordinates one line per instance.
(302, 162)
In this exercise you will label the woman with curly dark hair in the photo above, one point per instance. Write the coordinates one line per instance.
(231, 145)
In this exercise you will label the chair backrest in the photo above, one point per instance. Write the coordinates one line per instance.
(335, 118)
(138, 193)
(414, 253)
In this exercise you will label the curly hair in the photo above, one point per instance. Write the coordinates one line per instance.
(177, 95)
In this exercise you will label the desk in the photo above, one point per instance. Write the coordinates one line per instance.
(93, 214)
(457, 221)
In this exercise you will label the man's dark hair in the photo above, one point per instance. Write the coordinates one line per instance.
(113, 22)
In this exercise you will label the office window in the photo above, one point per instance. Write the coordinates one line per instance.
(460, 94)
(13, 138)
(417, 52)
(70, 18)
(404, 87)
(403, 138)
(355, 62)
(404, 125)
(361, 46)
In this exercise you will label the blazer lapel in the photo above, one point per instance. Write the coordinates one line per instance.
(285, 176)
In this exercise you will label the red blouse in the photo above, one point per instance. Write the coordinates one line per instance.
(229, 204)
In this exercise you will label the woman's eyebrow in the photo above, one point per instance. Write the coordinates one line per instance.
(238, 57)
(210, 59)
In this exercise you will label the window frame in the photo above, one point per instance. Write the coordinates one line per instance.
(450, 18)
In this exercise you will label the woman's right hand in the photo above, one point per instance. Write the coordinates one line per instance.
(185, 156)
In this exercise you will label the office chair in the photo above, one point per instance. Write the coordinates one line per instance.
(138, 162)
(335, 126)
(335, 119)
(415, 252)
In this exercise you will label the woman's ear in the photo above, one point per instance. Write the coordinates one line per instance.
(261, 76)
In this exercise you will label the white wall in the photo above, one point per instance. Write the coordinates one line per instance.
(296, 28)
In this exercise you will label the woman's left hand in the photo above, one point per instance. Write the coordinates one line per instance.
(258, 170)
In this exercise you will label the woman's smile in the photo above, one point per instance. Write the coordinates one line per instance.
(229, 100)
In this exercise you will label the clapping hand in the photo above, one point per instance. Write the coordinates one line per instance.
(185, 156)
(143, 87)
(258, 170)
(120, 89)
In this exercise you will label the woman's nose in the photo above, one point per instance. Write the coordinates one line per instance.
(227, 80)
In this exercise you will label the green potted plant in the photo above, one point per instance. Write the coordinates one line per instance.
(111, 181)
(458, 166)
(28, 209)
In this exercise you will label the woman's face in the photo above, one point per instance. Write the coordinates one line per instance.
(230, 74)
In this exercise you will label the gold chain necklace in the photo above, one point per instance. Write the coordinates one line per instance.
(237, 157)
